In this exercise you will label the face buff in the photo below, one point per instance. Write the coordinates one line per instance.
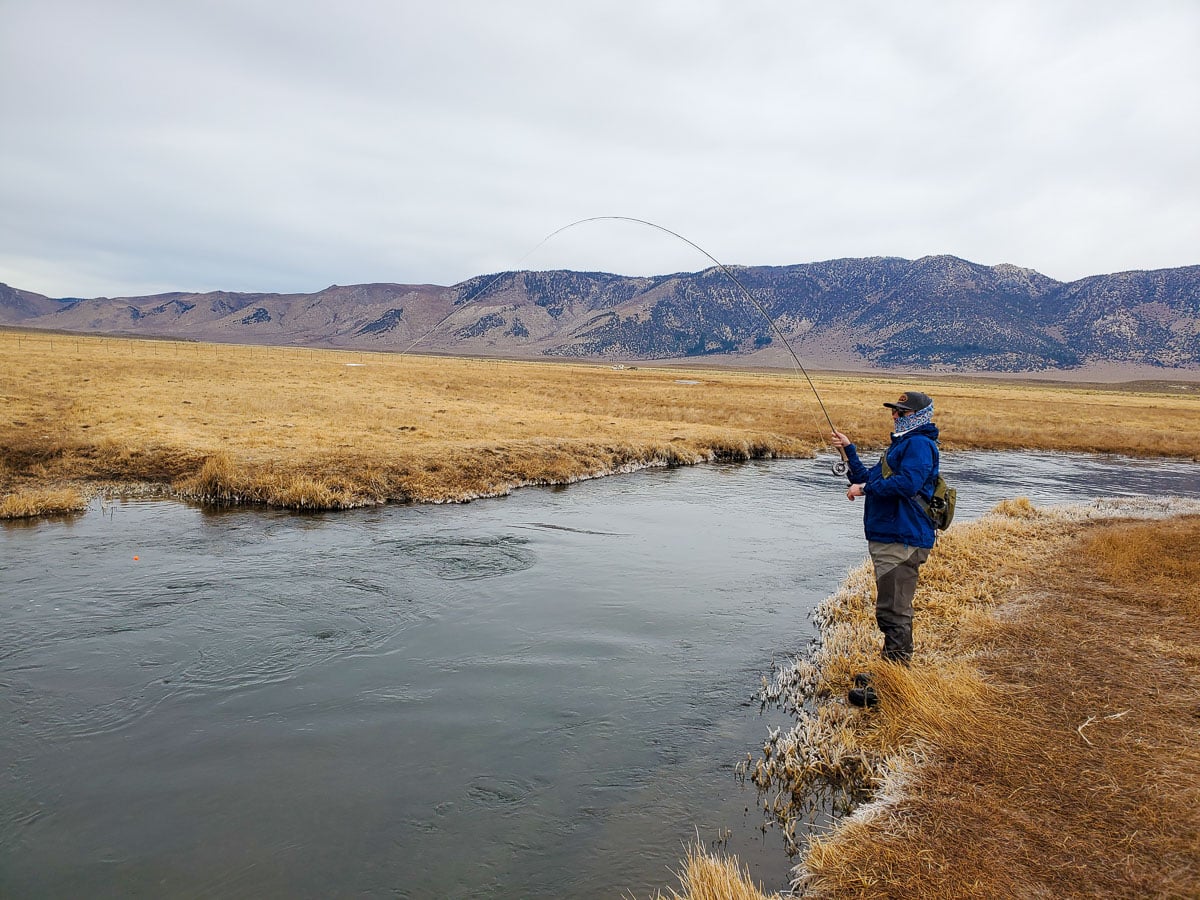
(913, 420)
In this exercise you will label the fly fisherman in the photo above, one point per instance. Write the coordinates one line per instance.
(899, 532)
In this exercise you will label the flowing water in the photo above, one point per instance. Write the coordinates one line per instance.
(543, 695)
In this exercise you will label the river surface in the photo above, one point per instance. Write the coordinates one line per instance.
(543, 695)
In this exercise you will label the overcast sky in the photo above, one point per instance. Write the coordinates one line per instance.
(285, 145)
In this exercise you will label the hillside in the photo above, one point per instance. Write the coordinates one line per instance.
(939, 313)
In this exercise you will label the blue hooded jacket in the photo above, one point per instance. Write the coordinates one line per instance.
(892, 513)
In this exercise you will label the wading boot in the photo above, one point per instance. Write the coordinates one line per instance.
(863, 697)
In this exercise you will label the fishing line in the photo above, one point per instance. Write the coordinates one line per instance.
(839, 468)
(473, 296)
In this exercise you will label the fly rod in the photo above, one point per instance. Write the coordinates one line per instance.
(839, 468)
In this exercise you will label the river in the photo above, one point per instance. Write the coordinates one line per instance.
(543, 695)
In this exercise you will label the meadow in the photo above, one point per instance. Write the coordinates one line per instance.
(1042, 745)
(313, 429)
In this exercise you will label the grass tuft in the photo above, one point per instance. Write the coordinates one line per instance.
(221, 480)
(42, 502)
(218, 481)
(710, 877)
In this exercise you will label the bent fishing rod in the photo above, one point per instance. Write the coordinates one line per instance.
(841, 467)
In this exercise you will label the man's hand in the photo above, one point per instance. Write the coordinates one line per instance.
(856, 490)
(839, 440)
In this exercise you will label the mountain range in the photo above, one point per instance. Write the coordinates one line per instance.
(936, 313)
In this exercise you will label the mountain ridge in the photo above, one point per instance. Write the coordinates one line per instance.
(936, 313)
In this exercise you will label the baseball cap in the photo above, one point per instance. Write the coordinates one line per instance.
(911, 401)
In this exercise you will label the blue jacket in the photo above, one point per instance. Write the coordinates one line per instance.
(892, 514)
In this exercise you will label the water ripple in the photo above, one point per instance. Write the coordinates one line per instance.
(459, 558)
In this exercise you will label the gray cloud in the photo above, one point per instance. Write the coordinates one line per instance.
(286, 146)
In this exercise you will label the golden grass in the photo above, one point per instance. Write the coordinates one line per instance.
(706, 876)
(306, 428)
(1159, 570)
(1044, 744)
(42, 502)
(1048, 751)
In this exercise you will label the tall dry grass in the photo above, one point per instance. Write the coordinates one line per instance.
(29, 504)
(707, 876)
(1043, 744)
(298, 427)
(292, 427)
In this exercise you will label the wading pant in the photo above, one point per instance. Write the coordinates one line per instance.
(896, 568)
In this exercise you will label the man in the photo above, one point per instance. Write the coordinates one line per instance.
(899, 531)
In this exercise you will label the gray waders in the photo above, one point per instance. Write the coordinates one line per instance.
(896, 568)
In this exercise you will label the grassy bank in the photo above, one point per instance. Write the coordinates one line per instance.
(329, 429)
(1043, 744)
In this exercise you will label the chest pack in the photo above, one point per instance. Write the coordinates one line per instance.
(940, 507)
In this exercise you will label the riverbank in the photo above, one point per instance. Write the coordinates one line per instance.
(1043, 744)
(310, 429)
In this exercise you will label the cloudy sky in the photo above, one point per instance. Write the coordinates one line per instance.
(285, 145)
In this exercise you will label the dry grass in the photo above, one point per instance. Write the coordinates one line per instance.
(1047, 751)
(709, 877)
(42, 502)
(309, 428)
(300, 427)
(1044, 744)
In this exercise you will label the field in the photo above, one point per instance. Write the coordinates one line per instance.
(328, 429)
(1043, 745)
